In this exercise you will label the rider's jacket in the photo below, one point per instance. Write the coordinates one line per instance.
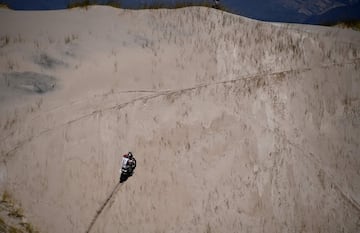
(125, 164)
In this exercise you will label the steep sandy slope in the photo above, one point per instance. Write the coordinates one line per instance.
(237, 125)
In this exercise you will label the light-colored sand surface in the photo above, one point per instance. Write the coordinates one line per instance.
(237, 125)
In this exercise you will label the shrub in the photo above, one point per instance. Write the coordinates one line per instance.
(86, 3)
(158, 4)
(115, 4)
(14, 230)
(6, 197)
(82, 4)
(2, 225)
(29, 228)
(353, 24)
(17, 213)
(3, 4)
(4, 40)
(180, 4)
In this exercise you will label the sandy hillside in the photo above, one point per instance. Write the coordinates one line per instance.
(237, 125)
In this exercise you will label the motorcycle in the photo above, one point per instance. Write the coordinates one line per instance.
(128, 171)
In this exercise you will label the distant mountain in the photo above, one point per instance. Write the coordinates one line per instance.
(312, 7)
(290, 11)
(339, 14)
(271, 10)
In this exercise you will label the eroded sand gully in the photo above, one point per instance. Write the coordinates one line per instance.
(237, 125)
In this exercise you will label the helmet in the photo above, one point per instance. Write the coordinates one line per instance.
(130, 155)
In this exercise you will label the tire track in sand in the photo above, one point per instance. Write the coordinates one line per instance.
(169, 92)
(102, 207)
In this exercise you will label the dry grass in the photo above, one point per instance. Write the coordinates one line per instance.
(29, 228)
(355, 25)
(86, 3)
(70, 38)
(82, 4)
(5, 197)
(4, 40)
(16, 213)
(2, 225)
(3, 5)
(146, 5)
(350, 24)
(181, 4)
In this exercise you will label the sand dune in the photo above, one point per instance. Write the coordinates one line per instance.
(237, 125)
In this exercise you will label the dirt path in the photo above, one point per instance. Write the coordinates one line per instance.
(100, 210)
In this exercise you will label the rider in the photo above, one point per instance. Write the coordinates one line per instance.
(128, 164)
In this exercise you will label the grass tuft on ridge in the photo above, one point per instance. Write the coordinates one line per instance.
(158, 4)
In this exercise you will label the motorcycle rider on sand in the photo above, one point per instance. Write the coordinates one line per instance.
(128, 165)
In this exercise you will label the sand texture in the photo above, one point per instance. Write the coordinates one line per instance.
(237, 125)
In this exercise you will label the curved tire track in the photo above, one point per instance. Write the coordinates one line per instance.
(171, 92)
